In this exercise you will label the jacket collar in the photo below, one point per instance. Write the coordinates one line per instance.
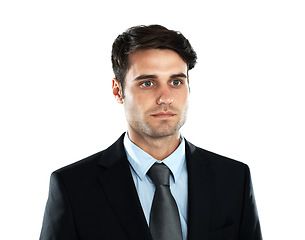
(118, 186)
(199, 192)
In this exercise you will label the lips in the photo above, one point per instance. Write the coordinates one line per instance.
(163, 115)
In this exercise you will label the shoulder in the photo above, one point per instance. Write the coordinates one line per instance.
(93, 164)
(80, 168)
(217, 163)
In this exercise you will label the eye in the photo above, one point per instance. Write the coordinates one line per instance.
(146, 84)
(176, 82)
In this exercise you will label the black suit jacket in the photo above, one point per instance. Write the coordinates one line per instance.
(95, 199)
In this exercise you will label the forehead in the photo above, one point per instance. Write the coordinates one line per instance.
(156, 61)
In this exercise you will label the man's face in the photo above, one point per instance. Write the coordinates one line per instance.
(156, 93)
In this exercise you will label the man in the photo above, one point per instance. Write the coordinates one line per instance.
(152, 183)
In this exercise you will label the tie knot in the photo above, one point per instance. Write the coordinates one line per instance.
(159, 173)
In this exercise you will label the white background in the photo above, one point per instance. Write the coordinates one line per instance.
(247, 96)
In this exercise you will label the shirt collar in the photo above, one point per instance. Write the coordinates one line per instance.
(141, 161)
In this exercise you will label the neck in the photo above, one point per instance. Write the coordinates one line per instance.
(158, 147)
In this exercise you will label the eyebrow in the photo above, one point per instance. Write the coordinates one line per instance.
(180, 75)
(145, 76)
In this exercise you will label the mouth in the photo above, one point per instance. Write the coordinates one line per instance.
(163, 115)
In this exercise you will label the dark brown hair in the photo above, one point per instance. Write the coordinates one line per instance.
(148, 37)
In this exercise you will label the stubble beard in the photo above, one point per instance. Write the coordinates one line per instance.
(165, 128)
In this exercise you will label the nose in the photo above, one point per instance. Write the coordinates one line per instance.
(165, 96)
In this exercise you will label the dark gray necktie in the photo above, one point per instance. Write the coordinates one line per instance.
(164, 216)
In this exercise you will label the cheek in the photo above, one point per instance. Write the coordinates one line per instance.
(182, 98)
(136, 104)
(143, 99)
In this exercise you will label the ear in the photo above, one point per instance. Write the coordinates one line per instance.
(117, 90)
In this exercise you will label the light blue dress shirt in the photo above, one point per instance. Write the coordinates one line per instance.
(140, 163)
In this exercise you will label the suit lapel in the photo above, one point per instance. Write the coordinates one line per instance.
(117, 184)
(199, 190)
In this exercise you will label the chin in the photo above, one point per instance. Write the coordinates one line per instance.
(163, 133)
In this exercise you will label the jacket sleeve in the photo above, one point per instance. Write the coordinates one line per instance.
(249, 226)
(58, 222)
